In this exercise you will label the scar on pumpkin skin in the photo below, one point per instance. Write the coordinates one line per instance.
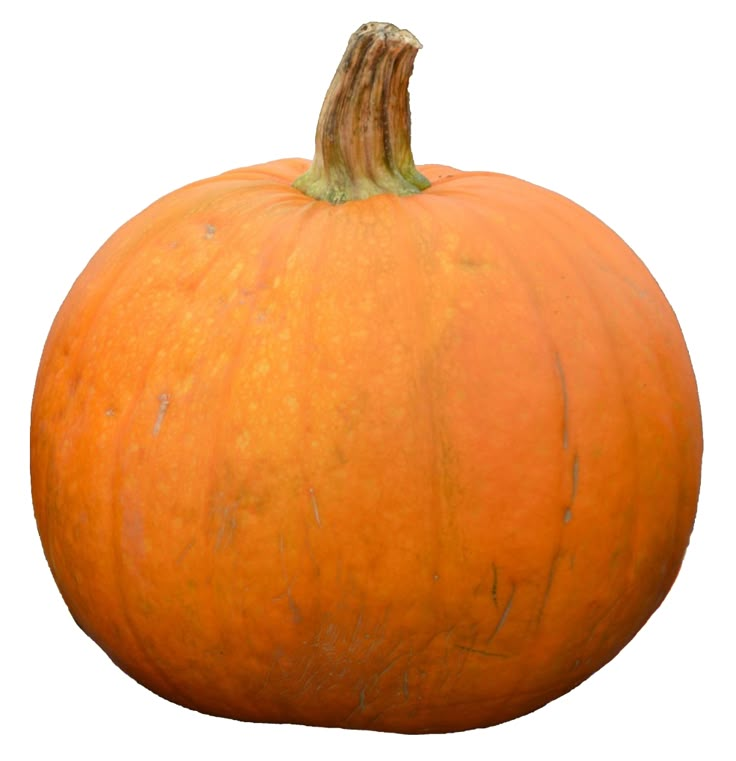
(494, 586)
(550, 578)
(315, 506)
(478, 651)
(164, 401)
(504, 615)
(296, 614)
(565, 402)
(567, 517)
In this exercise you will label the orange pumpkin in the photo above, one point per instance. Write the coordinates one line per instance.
(364, 445)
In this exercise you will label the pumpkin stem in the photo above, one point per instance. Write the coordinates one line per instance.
(363, 143)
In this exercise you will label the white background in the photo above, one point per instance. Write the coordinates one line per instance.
(626, 107)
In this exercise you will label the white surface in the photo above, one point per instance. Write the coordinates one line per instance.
(624, 107)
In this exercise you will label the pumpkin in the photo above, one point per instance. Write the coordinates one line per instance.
(360, 444)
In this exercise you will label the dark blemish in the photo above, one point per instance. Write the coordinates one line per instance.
(340, 456)
(494, 586)
(74, 384)
(296, 614)
(184, 552)
(209, 232)
(486, 653)
(471, 264)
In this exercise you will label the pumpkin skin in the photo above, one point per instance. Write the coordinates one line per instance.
(414, 464)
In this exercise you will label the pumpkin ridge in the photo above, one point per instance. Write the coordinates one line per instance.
(69, 314)
(544, 227)
(273, 264)
(634, 433)
(428, 382)
(474, 211)
(665, 378)
(126, 422)
(122, 574)
(510, 252)
(644, 320)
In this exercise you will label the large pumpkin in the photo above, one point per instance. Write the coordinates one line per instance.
(405, 450)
